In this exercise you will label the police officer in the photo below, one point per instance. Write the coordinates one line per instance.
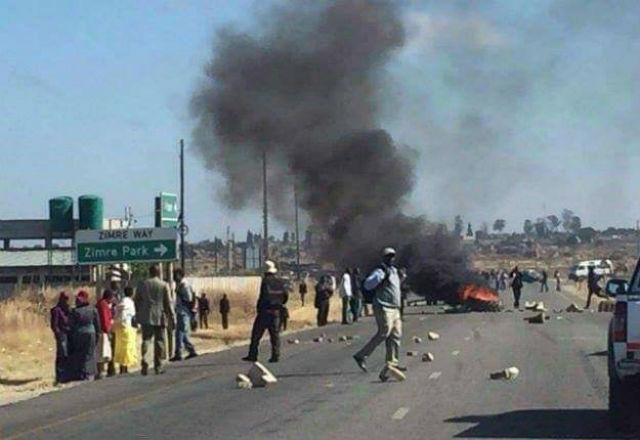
(273, 296)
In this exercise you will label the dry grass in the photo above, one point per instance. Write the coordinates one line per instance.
(27, 346)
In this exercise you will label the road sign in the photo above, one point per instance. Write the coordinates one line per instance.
(167, 210)
(126, 245)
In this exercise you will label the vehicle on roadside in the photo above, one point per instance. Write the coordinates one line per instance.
(581, 270)
(623, 348)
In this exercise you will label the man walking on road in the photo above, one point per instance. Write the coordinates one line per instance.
(592, 285)
(224, 308)
(356, 297)
(544, 286)
(556, 275)
(203, 311)
(516, 286)
(346, 294)
(273, 296)
(154, 313)
(184, 307)
(385, 282)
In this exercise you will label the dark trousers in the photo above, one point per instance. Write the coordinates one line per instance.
(266, 320)
(323, 312)
(225, 321)
(62, 354)
(516, 296)
(356, 307)
(204, 319)
(346, 304)
(544, 287)
(558, 288)
(591, 292)
(302, 298)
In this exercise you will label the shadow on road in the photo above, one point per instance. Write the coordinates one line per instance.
(540, 424)
(598, 353)
(17, 382)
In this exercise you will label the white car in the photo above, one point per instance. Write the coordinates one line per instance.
(624, 351)
(581, 270)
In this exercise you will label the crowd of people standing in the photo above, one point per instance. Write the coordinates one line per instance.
(91, 340)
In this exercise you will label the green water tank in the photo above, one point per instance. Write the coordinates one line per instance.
(91, 212)
(61, 214)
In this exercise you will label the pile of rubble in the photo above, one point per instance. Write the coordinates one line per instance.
(258, 376)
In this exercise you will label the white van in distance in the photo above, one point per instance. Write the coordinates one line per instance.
(581, 270)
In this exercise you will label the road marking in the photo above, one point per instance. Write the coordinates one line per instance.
(455, 352)
(435, 375)
(399, 415)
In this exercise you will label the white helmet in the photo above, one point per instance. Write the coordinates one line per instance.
(388, 251)
(270, 267)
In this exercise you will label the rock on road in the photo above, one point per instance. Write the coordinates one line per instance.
(561, 391)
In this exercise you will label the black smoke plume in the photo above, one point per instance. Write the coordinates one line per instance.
(306, 91)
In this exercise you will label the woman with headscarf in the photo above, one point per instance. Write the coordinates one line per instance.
(60, 327)
(85, 326)
(126, 353)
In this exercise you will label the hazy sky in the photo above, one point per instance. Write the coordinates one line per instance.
(516, 108)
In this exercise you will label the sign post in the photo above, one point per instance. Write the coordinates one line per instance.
(126, 245)
(166, 210)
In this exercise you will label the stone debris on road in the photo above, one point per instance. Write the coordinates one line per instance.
(573, 308)
(537, 319)
(342, 339)
(243, 382)
(293, 341)
(433, 336)
(412, 353)
(428, 357)
(330, 340)
(260, 376)
(391, 371)
(510, 373)
(417, 340)
(319, 339)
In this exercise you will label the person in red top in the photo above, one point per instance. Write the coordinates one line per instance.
(105, 339)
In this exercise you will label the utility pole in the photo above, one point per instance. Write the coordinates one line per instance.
(265, 208)
(295, 200)
(182, 222)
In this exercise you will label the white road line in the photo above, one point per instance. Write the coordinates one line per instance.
(435, 375)
(455, 352)
(399, 415)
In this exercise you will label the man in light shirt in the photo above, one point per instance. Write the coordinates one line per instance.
(385, 281)
(346, 293)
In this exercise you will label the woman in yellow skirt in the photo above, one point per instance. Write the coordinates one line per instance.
(126, 334)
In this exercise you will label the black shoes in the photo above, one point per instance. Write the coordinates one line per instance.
(175, 359)
(144, 370)
(274, 359)
(192, 355)
(250, 359)
(361, 363)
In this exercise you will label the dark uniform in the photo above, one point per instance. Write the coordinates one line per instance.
(273, 296)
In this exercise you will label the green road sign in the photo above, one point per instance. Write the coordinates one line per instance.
(167, 210)
(126, 245)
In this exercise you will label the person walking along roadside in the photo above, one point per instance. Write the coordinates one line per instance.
(356, 297)
(184, 306)
(273, 296)
(516, 286)
(592, 285)
(324, 292)
(556, 275)
(85, 328)
(544, 286)
(105, 337)
(154, 313)
(346, 295)
(302, 289)
(60, 315)
(204, 309)
(224, 308)
(385, 282)
(125, 352)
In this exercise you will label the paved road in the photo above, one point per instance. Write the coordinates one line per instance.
(560, 393)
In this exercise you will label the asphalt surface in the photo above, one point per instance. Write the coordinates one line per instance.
(561, 391)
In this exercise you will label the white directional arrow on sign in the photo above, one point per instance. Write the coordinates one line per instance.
(162, 249)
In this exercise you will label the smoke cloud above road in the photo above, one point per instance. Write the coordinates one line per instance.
(306, 90)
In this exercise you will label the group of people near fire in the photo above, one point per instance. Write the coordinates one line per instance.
(92, 339)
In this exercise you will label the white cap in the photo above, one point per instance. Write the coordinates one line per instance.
(388, 251)
(270, 267)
